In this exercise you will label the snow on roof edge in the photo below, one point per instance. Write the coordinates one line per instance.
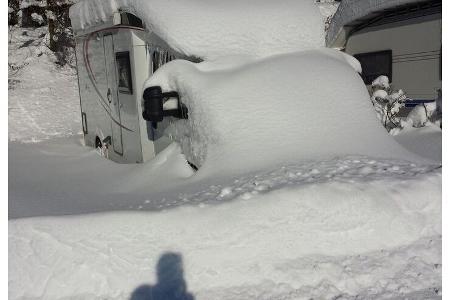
(351, 10)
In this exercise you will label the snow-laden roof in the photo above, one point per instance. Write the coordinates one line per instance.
(214, 28)
(352, 10)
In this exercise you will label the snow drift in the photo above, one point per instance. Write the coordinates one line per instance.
(210, 29)
(293, 107)
(290, 243)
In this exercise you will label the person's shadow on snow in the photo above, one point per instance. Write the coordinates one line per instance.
(170, 282)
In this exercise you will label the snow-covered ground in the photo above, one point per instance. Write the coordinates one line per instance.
(42, 99)
(83, 227)
(425, 141)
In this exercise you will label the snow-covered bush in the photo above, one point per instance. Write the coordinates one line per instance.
(13, 10)
(37, 18)
(61, 36)
(420, 115)
(51, 13)
(387, 102)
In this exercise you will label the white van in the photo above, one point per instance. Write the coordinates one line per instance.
(114, 58)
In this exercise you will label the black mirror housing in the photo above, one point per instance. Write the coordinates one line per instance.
(153, 104)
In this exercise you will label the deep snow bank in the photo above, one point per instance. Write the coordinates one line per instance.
(291, 243)
(300, 106)
(209, 29)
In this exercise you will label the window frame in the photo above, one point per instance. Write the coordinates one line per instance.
(388, 52)
(124, 55)
(129, 19)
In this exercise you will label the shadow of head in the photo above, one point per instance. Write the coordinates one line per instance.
(170, 283)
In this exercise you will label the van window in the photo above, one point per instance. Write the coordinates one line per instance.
(124, 72)
(375, 64)
(131, 20)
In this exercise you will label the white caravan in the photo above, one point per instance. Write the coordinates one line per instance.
(400, 39)
(114, 59)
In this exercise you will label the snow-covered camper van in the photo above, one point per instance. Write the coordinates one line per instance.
(114, 58)
(400, 39)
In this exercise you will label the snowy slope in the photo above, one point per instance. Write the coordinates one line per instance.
(43, 99)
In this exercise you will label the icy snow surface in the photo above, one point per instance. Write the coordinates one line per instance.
(209, 29)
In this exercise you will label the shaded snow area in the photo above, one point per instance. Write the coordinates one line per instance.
(252, 27)
(43, 99)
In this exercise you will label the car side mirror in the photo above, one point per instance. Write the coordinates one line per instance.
(153, 104)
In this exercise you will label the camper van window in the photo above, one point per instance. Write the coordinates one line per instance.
(130, 20)
(124, 72)
(374, 64)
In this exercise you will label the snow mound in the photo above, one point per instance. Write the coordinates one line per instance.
(294, 107)
(210, 29)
